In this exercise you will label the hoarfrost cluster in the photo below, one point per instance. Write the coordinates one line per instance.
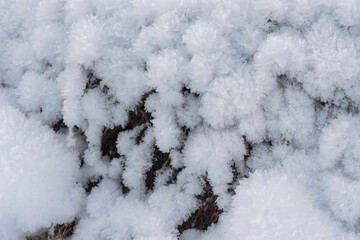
(134, 117)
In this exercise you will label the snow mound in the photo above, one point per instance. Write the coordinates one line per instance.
(271, 205)
(38, 176)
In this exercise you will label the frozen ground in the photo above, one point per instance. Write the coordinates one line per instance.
(190, 119)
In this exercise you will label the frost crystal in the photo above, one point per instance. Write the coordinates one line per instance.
(191, 119)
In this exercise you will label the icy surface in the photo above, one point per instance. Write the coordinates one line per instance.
(160, 108)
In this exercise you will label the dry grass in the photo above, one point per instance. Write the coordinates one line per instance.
(62, 231)
(206, 215)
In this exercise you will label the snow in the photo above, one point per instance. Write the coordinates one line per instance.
(40, 96)
(271, 205)
(38, 185)
(256, 102)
